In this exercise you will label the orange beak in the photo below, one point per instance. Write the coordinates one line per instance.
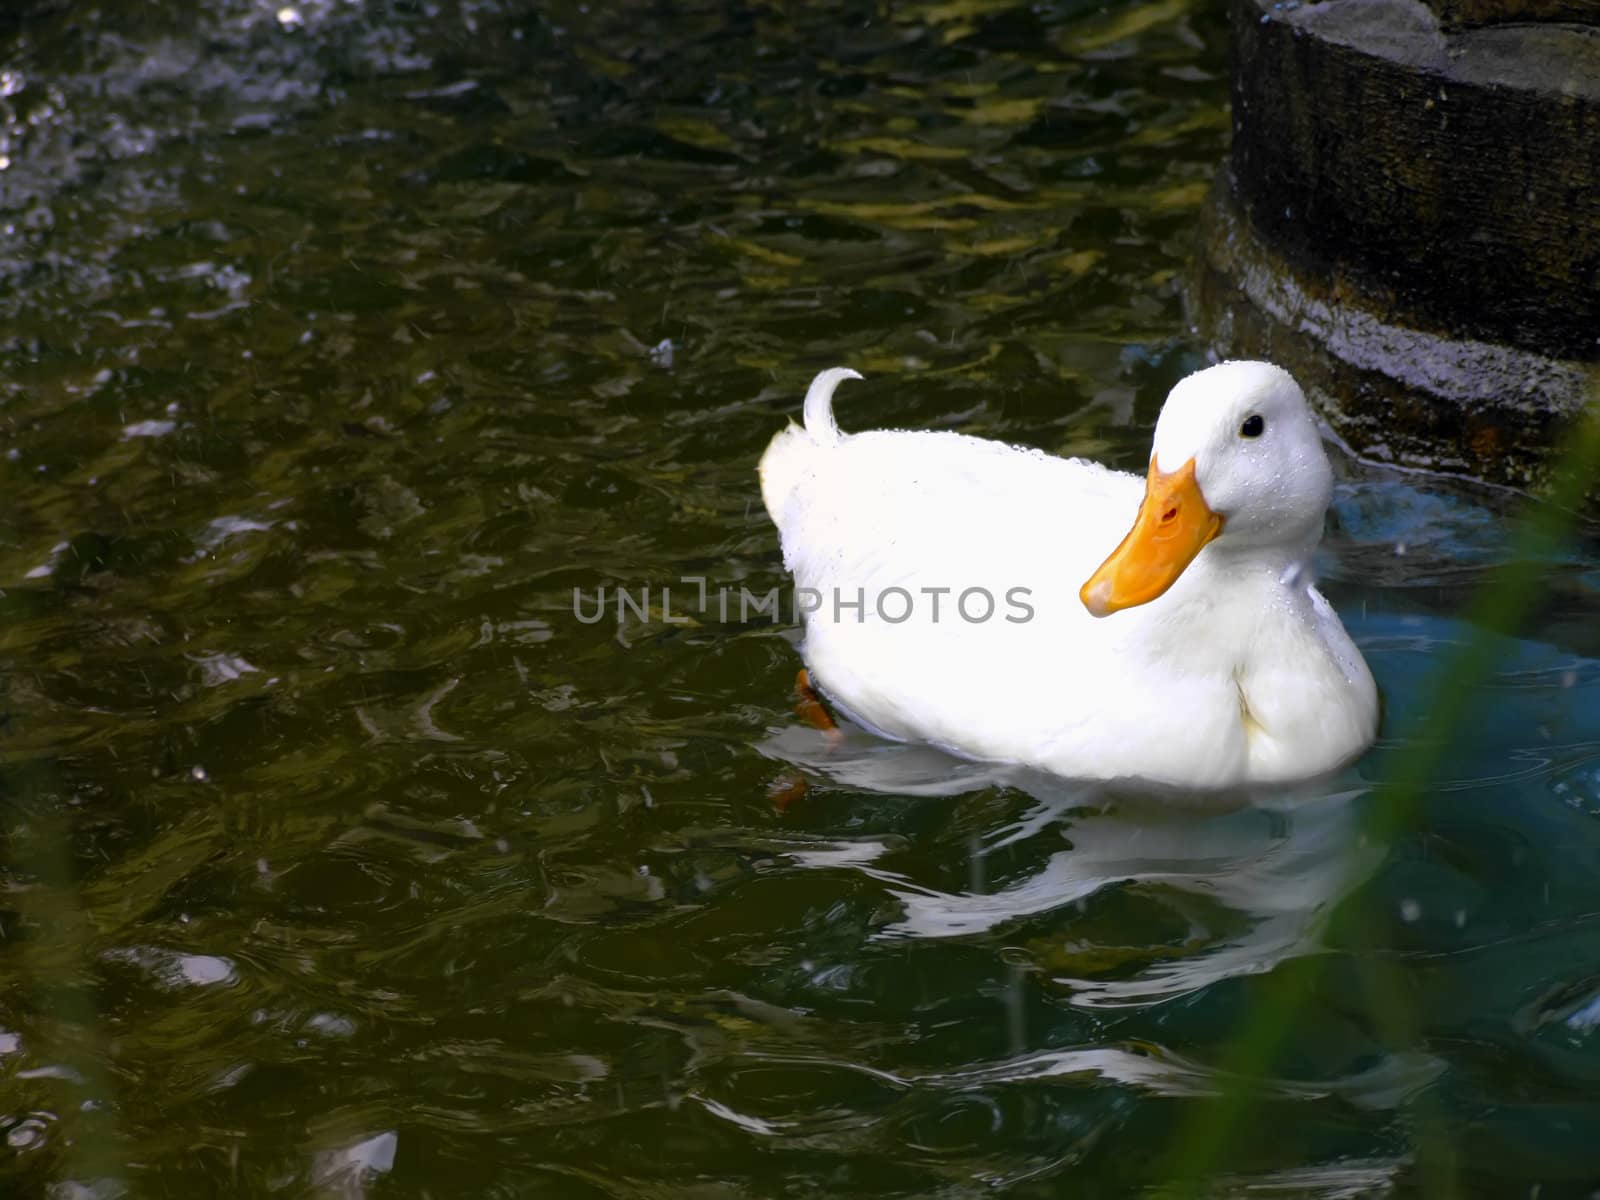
(1174, 524)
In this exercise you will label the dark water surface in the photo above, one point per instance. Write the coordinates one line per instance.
(341, 343)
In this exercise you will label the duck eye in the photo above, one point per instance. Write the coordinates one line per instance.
(1253, 426)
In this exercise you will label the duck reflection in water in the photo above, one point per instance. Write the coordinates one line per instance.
(1251, 874)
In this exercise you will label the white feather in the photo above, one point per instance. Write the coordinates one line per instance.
(1239, 673)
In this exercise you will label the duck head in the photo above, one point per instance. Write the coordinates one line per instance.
(1237, 460)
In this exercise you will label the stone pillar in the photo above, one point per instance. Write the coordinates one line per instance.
(1410, 221)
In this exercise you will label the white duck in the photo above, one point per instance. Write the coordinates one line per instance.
(993, 600)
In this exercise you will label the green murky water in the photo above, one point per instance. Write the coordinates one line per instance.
(341, 342)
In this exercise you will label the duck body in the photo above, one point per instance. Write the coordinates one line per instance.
(954, 582)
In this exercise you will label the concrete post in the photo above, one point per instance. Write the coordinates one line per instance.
(1410, 221)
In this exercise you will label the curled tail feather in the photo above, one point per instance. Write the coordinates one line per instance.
(788, 455)
(824, 430)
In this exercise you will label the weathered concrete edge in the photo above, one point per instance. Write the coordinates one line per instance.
(1435, 172)
(1394, 394)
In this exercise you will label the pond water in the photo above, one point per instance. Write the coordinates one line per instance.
(343, 341)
